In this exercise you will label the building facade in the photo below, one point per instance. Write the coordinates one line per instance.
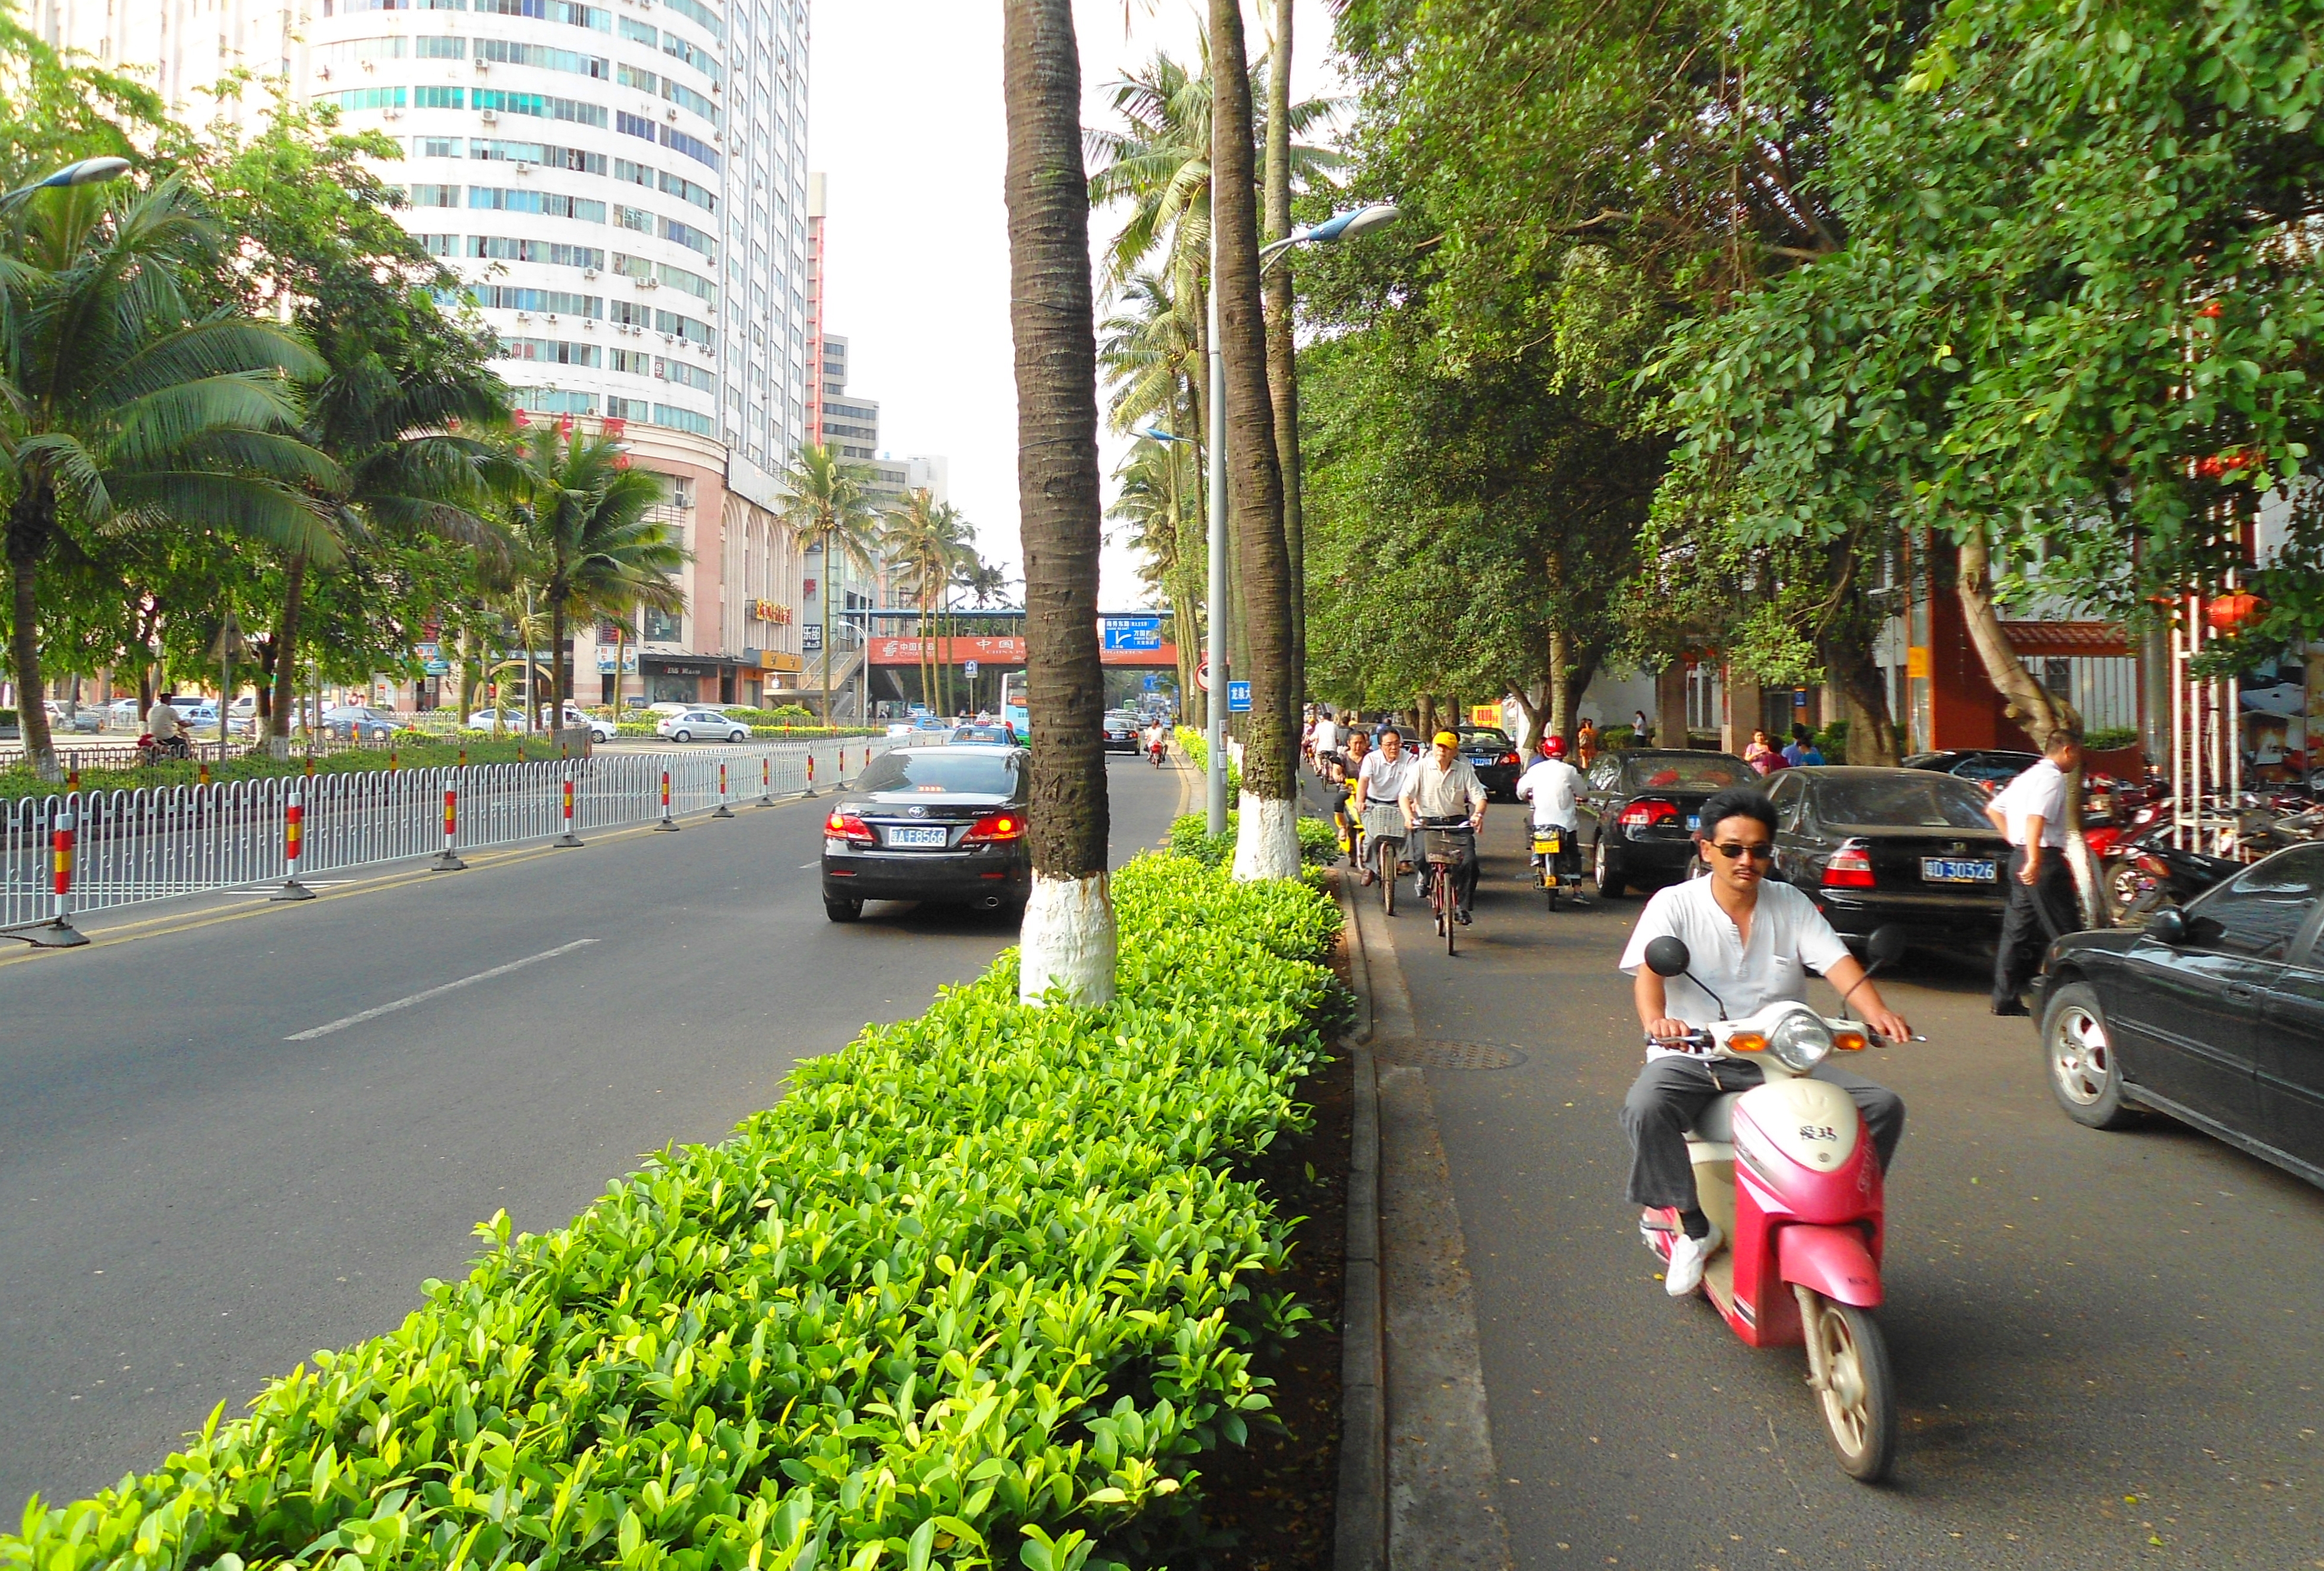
(622, 188)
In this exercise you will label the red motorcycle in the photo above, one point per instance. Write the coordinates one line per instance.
(1787, 1172)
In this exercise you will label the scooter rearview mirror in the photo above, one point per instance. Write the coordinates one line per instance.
(1887, 946)
(1667, 956)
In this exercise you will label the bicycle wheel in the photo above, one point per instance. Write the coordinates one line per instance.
(1444, 897)
(1385, 854)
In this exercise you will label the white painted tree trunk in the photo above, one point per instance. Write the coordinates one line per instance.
(1068, 941)
(1266, 839)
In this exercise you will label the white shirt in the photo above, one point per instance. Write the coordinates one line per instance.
(1327, 737)
(163, 721)
(2040, 789)
(1384, 781)
(1554, 786)
(1788, 935)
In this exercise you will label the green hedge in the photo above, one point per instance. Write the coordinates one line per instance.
(981, 1291)
(1190, 836)
(1197, 747)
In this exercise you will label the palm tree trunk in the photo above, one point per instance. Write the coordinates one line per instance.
(1068, 940)
(31, 519)
(1266, 843)
(1282, 359)
(286, 654)
(559, 677)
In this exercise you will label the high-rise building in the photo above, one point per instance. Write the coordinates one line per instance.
(622, 186)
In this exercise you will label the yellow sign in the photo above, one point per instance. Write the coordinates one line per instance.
(1485, 714)
(768, 611)
(775, 660)
(1916, 661)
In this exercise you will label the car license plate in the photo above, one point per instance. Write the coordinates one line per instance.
(929, 837)
(1948, 870)
(1694, 820)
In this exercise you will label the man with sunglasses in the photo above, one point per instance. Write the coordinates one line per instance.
(1750, 942)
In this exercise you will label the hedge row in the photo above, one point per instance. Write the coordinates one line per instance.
(1191, 838)
(981, 1291)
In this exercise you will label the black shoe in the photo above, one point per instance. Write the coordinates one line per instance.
(2013, 1009)
(1461, 917)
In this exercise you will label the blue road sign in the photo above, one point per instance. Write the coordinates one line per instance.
(1130, 632)
(1153, 681)
(1238, 698)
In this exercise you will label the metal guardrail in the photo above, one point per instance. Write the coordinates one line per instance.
(126, 847)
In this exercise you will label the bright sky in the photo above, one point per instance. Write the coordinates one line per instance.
(906, 118)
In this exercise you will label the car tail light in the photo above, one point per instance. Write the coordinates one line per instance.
(993, 828)
(1510, 759)
(1646, 811)
(847, 826)
(1850, 867)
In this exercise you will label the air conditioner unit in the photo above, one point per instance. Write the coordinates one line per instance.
(588, 272)
(371, 65)
(669, 114)
(524, 168)
(552, 316)
(492, 118)
(393, 114)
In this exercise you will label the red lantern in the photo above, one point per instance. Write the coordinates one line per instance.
(2233, 610)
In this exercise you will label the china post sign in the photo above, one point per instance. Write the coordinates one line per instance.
(1130, 632)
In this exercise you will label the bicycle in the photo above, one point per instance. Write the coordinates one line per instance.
(1387, 851)
(1445, 842)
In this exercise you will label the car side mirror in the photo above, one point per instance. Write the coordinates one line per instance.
(1885, 947)
(1667, 956)
(2168, 926)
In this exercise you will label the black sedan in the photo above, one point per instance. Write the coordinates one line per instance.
(1987, 768)
(1121, 733)
(1648, 803)
(1902, 845)
(944, 823)
(1494, 757)
(2213, 1014)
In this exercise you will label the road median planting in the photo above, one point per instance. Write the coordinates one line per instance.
(984, 1289)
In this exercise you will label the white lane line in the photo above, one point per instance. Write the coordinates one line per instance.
(805, 866)
(340, 1025)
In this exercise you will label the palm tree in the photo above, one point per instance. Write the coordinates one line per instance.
(580, 515)
(924, 541)
(828, 511)
(1068, 941)
(123, 409)
(1266, 841)
(1155, 488)
(1282, 360)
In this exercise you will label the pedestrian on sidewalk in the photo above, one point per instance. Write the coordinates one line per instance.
(2031, 811)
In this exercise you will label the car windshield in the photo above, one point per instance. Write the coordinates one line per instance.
(1995, 766)
(1484, 736)
(1709, 772)
(1917, 800)
(983, 774)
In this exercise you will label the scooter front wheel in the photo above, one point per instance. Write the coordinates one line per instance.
(1859, 1394)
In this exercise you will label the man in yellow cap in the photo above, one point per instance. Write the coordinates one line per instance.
(1443, 794)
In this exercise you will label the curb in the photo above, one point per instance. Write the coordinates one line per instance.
(1360, 1518)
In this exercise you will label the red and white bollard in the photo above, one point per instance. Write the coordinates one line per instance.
(294, 846)
(449, 861)
(57, 932)
(810, 772)
(724, 811)
(570, 840)
(766, 782)
(667, 822)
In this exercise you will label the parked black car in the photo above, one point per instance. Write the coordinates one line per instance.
(944, 823)
(1987, 768)
(1902, 846)
(2213, 1014)
(1647, 802)
(1494, 757)
(1121, 733)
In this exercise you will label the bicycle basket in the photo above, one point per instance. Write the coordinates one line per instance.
(1446, 844)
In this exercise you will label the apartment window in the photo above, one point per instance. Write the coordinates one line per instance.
(536, 104)
(639, 32)
(551, 351)
(681, 491)
(503, 51)
(685, 98)
(435, 196)
(545, 155)
(692, 238)
(443, 47)
(636, 409)
(440, 98)
(662, 626)
(549, 204)
(693, 147)
(365, 98)
(701, 15)
(436, 146)
(684, 374)
(629, 314)
(636, 174)
(692, 54)
(686, 328)
(630, 124)
(678, 186)
(636, 218)
(439, 244)
(552, 400)
(635, 362)
(340, 56)
(509, 298)
(510, 248)
(645, 82)
(589, 17)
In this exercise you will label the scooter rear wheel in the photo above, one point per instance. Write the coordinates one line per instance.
(1858, 1401)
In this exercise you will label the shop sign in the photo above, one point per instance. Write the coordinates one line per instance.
(768, 611)
(629, 661)
(777, 660)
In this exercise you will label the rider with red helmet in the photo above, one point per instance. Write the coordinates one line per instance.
(1555, 788)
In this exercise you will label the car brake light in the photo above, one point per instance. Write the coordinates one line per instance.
(1646, 811)
(1510, 759)
(1850, 867)
(994, 827)
(843, 824)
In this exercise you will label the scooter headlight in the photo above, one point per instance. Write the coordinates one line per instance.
(1800, 1041)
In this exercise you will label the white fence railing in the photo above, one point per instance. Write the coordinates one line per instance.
(150, 843)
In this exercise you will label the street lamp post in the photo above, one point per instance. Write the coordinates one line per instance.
(87, 172)
(1338, 227)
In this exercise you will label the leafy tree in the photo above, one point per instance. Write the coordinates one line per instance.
(927, 542)
(1069, 938)
(123, 410)
(828, 512)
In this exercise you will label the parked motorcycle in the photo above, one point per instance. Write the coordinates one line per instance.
(1788, 1173)
(152, 752)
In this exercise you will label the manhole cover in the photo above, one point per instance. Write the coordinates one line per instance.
(1433, 1054)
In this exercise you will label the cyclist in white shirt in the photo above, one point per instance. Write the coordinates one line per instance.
(1380, 785)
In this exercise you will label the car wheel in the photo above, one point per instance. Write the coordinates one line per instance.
(2085, 1074)
(1606, 872)
(841, 910)
(681, 736)
(736, 735)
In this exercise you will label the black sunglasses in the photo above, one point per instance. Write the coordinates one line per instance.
(1760, 852)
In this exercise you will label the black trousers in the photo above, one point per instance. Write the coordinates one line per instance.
(2046, 908)
(1670, 1093)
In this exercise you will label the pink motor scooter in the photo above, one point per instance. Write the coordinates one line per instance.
(1787, 1173)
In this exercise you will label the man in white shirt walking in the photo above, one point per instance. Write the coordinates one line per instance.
(2031, 810)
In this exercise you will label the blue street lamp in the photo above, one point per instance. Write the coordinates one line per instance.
(1338, 227)
(87, 172)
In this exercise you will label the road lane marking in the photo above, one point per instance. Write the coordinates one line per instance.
(340, 1025)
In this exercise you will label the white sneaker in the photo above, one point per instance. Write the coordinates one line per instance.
(1686, 1260)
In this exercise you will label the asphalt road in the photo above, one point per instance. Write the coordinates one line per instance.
(2110, 1346)
(192, 1199)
